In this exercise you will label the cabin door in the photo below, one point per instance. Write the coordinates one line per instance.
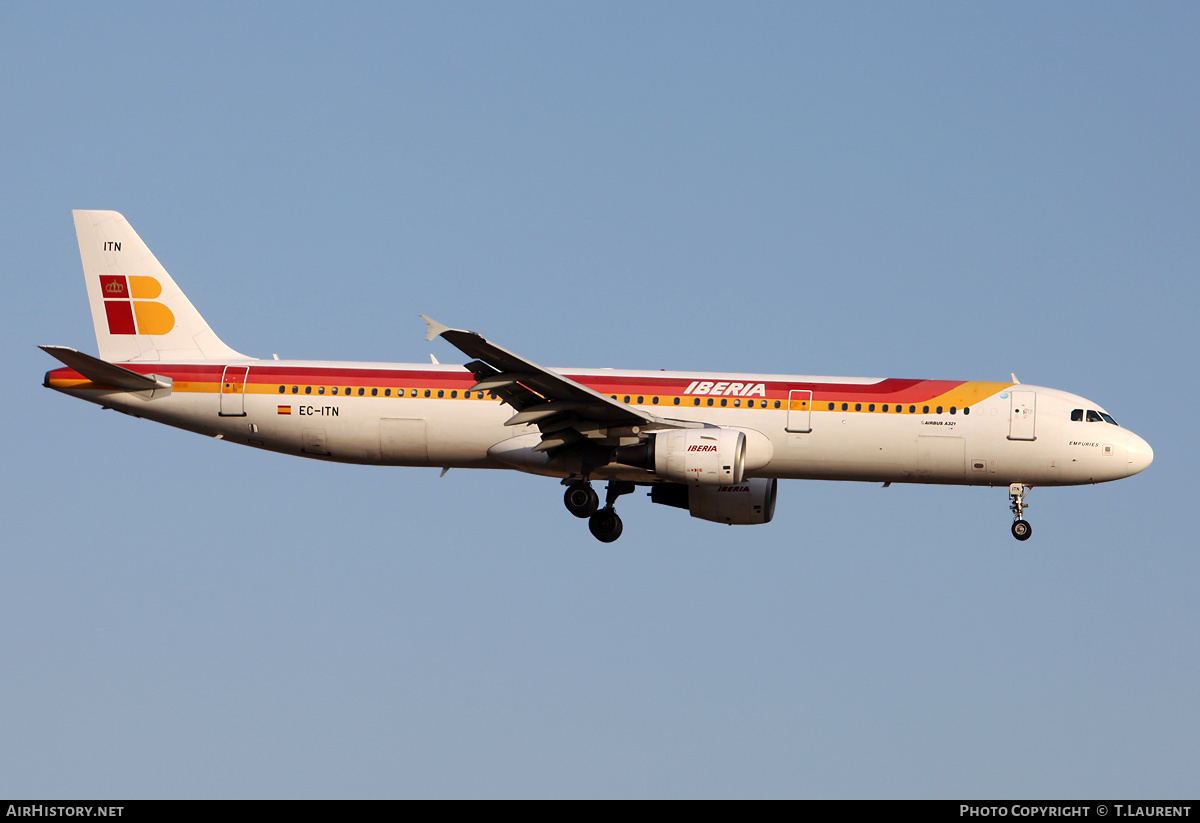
(233, 391)
(1021, 416)
(799, 418)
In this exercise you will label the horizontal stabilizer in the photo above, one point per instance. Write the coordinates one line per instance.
(101, 371)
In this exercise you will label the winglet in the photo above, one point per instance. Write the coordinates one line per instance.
(435, 328)
(1013, 375)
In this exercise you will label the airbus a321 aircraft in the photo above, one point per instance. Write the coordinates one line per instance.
(714, 444)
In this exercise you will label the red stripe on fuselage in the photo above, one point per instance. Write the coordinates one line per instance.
(895, 390)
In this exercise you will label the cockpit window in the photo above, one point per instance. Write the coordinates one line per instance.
(1093, 416)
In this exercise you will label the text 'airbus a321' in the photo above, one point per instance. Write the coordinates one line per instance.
(714, 444)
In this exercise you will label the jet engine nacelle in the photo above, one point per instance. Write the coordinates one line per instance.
(700, 457)
(741, 504)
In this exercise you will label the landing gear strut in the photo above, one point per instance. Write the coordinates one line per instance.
(605, 525)
(1016, 496)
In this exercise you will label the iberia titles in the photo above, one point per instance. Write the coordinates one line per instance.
(727, 389)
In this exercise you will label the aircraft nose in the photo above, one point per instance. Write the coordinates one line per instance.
(1140, 454)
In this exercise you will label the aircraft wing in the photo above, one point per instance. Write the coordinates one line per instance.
(567, 412)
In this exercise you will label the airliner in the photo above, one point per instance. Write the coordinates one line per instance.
(714, 444)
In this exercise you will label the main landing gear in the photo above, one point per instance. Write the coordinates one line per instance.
(582, 501)
(1016, 496)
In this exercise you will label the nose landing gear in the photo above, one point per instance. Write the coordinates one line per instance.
(1016, 496)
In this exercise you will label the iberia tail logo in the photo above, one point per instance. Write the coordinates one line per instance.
(130, 306)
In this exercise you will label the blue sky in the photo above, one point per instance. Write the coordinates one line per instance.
(932, 190)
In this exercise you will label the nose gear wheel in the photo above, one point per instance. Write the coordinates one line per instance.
(1016, 496)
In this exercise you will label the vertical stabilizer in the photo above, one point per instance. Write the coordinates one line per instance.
(139, 312)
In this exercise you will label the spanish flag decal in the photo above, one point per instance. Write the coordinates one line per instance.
(285, 409)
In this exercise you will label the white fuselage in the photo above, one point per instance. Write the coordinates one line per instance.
(291, 407)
